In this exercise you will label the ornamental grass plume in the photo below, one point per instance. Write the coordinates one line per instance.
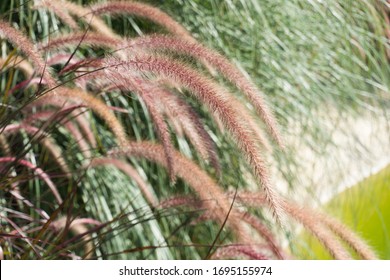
(96, 105)
(219, 102)
(146, 11)
(49, 116)
(178, 110)
(62, 58)
(80, 39)
(160, 124)
(82, 14)
(320, 225)
(237, 251)
(193, 49)
(146, 91)
(62, 106)
(56, 9)
(47, 142)
(220, 62)
(214, 59)
(20, 41)
(271, 246)
(264, 232)
(348, 236)
(323, 234)
(177, 201)
(151, 94)
(90, 78)
(192, 174)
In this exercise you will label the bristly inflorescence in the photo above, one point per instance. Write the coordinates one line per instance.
(76, 103)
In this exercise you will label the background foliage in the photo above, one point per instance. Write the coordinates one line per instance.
(324, 66)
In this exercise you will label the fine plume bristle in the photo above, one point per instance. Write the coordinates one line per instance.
(27, 47)
(203, 185)
(322, 226)
(218, 101)
(143, 10)
(96, 121)
(223, 65)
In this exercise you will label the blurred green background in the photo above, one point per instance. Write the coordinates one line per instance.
(365, 208)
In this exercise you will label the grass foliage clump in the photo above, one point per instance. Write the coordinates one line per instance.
(123, 136)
